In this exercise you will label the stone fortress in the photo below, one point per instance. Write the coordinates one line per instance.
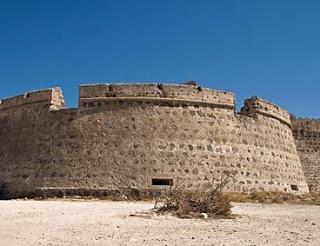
(150, 137)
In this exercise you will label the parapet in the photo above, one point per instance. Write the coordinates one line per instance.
(51, 97)
(189, 94)
(156, 92)
(254, 106)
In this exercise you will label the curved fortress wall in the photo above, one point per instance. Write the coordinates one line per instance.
(307, 136)
(142, 136)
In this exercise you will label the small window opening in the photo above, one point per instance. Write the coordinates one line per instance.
(294, 187)
(162, 182)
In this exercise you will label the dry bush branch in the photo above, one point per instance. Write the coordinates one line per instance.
(209, 201)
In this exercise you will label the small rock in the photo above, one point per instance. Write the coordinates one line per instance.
(204, 215)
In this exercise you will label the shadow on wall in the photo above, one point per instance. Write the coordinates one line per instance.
(3, 190)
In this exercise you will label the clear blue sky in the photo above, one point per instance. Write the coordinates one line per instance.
(266, 48)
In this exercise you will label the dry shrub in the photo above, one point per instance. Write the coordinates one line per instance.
(209, 201)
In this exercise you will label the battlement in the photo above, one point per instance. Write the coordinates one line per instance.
(166, 94)
(52, 97)
(156, 92)
(254, 106)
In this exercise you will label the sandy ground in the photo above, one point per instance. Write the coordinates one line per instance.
(111, 223)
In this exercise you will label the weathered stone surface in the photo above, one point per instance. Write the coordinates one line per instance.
(125, 135)
(307, 137)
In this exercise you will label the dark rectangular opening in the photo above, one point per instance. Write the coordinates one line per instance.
(162, 182)
(294, 187)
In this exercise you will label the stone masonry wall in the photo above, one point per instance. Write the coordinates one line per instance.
(255, 106)
(156, 92)
(123, 136)
(52, 97)
(307, 137)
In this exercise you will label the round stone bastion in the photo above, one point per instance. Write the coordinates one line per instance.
(147, 137)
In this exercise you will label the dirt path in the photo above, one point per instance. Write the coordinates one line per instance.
(109, 223)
